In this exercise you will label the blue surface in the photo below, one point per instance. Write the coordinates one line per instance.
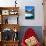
(29, 8)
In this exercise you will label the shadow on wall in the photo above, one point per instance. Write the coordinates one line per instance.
(37, 29)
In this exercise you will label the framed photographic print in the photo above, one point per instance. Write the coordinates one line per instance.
(5, 12)
(13, 12)
(29, 12)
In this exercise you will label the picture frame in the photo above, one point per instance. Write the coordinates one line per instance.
(29, 12)
(13, 12)
(5, 12)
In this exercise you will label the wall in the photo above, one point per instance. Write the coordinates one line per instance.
(38, 21)
(39, 17)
